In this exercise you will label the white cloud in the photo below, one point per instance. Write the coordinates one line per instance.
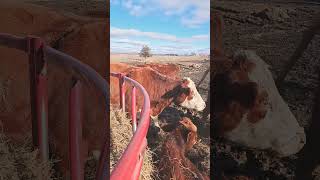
(127, 40)
(125, 33)
(133, 46)
(191, 12)
(130, 42)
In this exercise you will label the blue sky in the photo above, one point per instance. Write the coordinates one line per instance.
(166, 26)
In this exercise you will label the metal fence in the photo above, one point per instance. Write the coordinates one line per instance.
(39, 54)
(130, 163)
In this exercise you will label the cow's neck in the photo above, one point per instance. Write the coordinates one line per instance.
(159, 104)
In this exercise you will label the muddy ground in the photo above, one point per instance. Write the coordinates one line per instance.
(273, 30)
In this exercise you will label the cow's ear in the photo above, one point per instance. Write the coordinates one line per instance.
(185, 83)
(189, 93)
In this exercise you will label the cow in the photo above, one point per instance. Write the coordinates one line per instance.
(247, 107)
(173, 163)
(81, 37)
(162, 90)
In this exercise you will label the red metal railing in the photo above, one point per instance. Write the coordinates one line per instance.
(130, 163)
(38, 55)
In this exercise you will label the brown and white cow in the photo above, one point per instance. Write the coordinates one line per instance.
(86, 41)
(247, 107)
(162, 90)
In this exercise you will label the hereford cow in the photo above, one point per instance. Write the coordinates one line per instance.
(247, 107)
(82, 38)
(163, 90)
(173, 163)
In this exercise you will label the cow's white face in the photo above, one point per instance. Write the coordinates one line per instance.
(275, 127)
(194, 100)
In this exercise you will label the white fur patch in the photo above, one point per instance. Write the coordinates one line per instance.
(196, 102)
(279, 130)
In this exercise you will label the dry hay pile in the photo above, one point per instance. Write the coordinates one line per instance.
(121, 133)
(20, 161)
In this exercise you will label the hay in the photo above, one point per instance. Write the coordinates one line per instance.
(19, 161)
(121, 133)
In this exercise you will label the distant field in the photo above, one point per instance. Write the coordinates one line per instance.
(131, 58)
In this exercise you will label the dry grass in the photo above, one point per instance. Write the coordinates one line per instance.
(19, 161)
(121, 133)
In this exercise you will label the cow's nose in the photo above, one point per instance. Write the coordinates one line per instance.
(201, 107)
(294, 145)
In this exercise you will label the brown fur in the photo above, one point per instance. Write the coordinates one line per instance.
(170, 70)
(173, 163)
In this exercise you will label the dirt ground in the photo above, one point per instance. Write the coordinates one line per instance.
(79, 7)
(273, 30)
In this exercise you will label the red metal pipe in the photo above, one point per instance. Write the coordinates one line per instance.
(137, 170)
(42, 116)
(122, 92)
(133, 109)
(33, 46)
(38, 95)
(75, 132)
(103, 170)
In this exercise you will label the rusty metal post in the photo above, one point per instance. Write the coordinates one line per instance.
(133, 109)
(75, 132)
(122, 92)
(38, 95)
